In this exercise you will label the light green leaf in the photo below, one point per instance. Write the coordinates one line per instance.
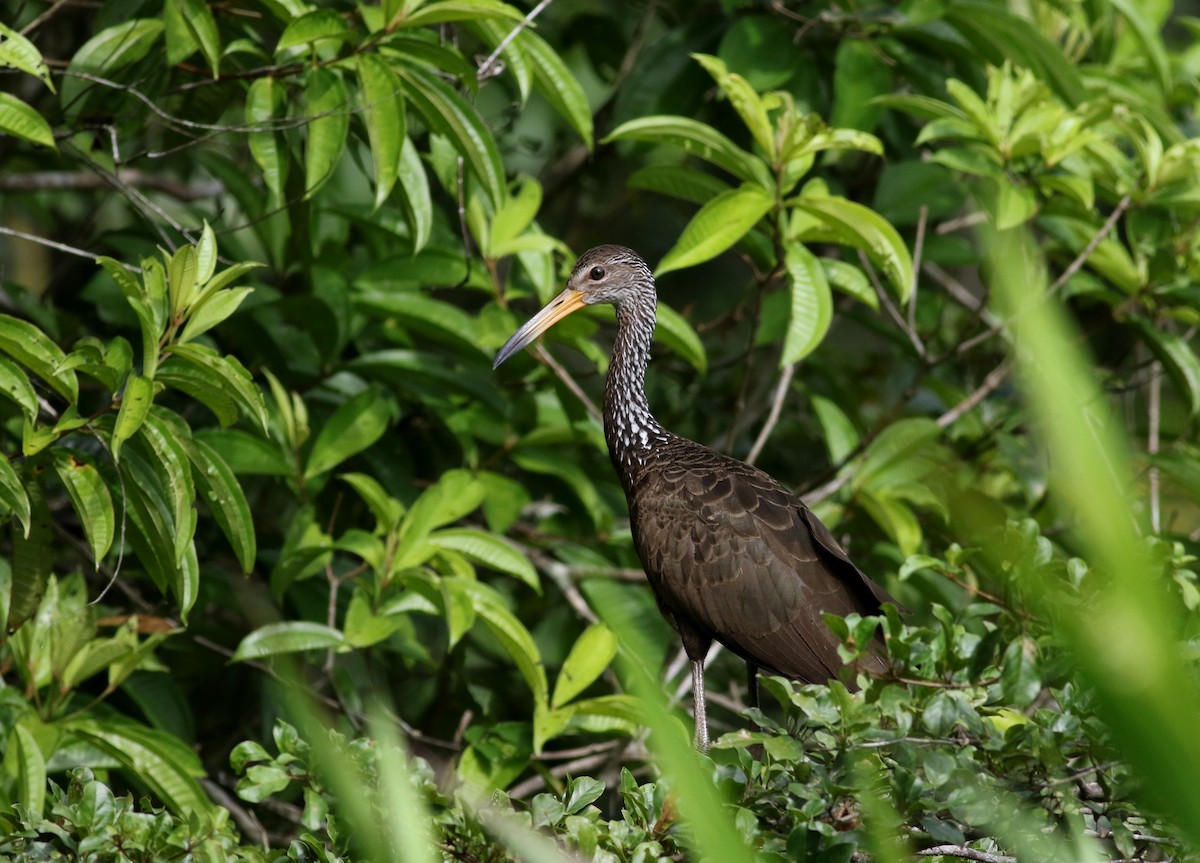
(745, 101)
(490, 550)
(21, 120)
(90, 498)
(455, 10)
(135, 405)
(206, 255)
(29, 346)
(678, 181)
(263, 141)
(233, 378)
(354, 426)
(31, 768)
(841, 437)
(290, 636)
(212, 311)
(14, 384)
(1146, 30)
(321, 25)
(95, 656)
(13, 496)
(860, 74)
(202, 26)
(448, 113)
(363, 627)
(219, 488)
(555, 82)
(720, 223)
(511, 633)
(854, 225)
(17, 52)
(517, 212)
(674, 331)
(849, 279)
(455, 494)
(895, 517)
(327, 105)
(164, 433)
(418, 205)
(201, 385)
(589, 657)
(383, 115)
(181, 279)
(811, 306)
(698, 139)
(458, 608)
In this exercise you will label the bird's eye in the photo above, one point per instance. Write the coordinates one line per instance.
(596, 274)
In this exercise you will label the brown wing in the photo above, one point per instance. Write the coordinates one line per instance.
(730, 553)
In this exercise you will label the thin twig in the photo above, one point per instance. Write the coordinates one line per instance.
(62, 247)
(967, 221)
(1096, 240)
(36, 181)
(485, 69)
(908, 331)
(958, 292)
(563, 375)
(781, 390)
(993, 380)
(43, 18)
(965, 853)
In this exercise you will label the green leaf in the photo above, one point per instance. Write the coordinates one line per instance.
(811, 307)
(90, 498)
(31, 559)
(1178, 359)
(201, 386)
(14, 384)
(206, 255)
(290, 636)
(136, 400)
(859, 75)
(198, 17)
(263, 140)
(678, 181)
(448, 113)
(841, 437)
(12, 494)
(164, 763)
(21, 120)
(849, 279)
(455, 10)
(720, 223)
(589, 657)
(229, 375)
(895, 517)
(418, 205)
(745, 101)
(246, 454)
(698, 139)
(363, 627)
(29, 346)
(212, 311)
(1147, 34)
(854, 225)
(30, 767)
(219, 488)
(17, 52)
(490, 550)
(511, 633)
(109, 50)
(383, 115)
(322, 25)
(181, 279)
(555, 82)
(165, 435)
(455, 494)
(516, 213)
(327, 106)
(675, 332)
(354, 426)
(458, 609)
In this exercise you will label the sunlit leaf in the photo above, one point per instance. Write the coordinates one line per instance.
(720, 223)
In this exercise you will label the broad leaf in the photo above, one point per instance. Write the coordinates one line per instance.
(699, 140)
(90, 498)
(720, 223)
(327, 106)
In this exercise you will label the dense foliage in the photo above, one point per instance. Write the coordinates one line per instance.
(269, 510)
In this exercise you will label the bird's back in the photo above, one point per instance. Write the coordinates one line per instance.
(733, 556)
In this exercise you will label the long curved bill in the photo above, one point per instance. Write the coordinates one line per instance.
(568, 301)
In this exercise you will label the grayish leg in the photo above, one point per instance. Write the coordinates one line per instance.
(701, 739)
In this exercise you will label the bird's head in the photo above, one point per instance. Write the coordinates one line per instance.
(604, 274)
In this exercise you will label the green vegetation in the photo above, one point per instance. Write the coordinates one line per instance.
(288, 572)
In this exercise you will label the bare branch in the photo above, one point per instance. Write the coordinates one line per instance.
(781, 389)
(37, 181)
(563, 375)
(913, 338)
(993, 380)
(485, 68)
(965, 853)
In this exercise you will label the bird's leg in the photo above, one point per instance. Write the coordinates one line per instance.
(698, 708)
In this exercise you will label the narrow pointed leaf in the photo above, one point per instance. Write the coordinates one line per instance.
(557, 84)
(21, 120)
(383, 115)
(490, 550)
(720, 223)
(263, 141)
(811, 306)
(232, 375)
(13, 496)
(14, 384)
(19, 53)
(223, 494)
(852, 224)
(135, 405)
(698, 139)
(589, 657)
(90, 498)
(29, 346)
(215, 309)
(327, 106)
(354, 426)
(287, 637)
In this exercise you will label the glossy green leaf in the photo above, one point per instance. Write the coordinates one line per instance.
(363, 627)
(555, 81)
(200, 385)
(111, 49)
(490, 550)
(219, 488)
(164, 763)
(263, 140)
(517, 212)
(854, 225)
(418, 205)
(699, 140)
(1178, 359)
(29, 346)
(21, 120)
(745, 101)
(841, 437)
(678, 181)
(165, 435)
(443, 11)
(319, 26)
(14, 384)
(12, 494)
(354, 426)
(30, 766)
(512, 634)
(720, 223)
(589, 657)
(17, 52)
(31, 560)
(451, 115)
(674, 331)
(327, 106)
(287, 637)
(849, 279)
(181, 279)
(206, 255)
(136, 400)
(811, 306)
(212, 311)
(383, 115)
(230, 374)
(90, 498)
(198, 18)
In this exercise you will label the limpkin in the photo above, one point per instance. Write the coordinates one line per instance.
(730, 554)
